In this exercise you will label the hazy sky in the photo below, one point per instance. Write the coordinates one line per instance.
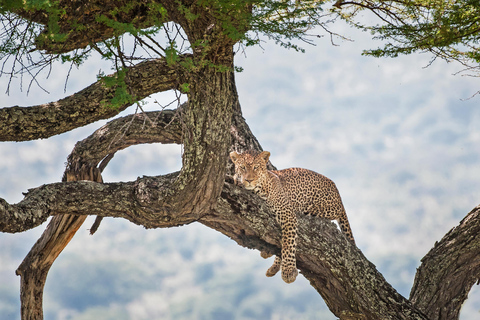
(400, 140)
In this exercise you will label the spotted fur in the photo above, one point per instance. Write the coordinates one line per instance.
(288, 192)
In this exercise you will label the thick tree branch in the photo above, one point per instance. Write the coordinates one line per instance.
(350, 284)
(37, 263)
(86, 106)
(142, 202)
(34, 268)
(449, 270)
(151, 127)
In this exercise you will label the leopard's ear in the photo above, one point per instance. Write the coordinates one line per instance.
(265, 155)
(234, 156)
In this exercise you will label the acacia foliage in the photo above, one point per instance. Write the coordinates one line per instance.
(449, 29)
(37, 33)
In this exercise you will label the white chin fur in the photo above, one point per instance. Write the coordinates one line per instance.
(249, 187)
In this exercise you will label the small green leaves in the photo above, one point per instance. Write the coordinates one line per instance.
(449, 29)
(171, 53)
(121, 95)
(185, 88)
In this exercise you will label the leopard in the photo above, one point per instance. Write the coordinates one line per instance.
(288, 192)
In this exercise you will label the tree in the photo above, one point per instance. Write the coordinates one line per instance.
(208, 127)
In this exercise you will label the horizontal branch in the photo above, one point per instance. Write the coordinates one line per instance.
(140, 202)
(85, 106)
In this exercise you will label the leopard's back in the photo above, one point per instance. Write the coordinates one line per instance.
(311, 193)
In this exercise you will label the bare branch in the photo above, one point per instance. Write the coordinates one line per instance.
(141, 202)
(112, 137)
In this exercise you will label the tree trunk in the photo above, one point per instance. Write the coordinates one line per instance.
(206, 121)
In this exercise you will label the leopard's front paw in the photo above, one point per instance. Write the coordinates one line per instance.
(289, 274)
(273, 270)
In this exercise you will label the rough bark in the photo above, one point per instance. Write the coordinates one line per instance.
(34, 268)
(350, 285)
(206, 121)
(449, 270)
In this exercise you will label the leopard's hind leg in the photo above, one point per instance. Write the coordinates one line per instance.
(345, 226)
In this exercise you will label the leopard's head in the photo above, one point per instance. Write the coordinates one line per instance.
(250, 167)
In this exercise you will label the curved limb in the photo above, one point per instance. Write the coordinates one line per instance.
(34, 268)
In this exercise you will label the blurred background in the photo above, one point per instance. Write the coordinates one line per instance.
(399, 137)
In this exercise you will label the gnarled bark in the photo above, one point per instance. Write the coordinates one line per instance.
(449, 270)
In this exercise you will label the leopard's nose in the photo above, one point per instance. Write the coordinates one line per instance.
(248, 180)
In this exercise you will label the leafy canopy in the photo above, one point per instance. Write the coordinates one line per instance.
(36, 33)
(450, 29)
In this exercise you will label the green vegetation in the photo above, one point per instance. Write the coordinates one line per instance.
(449, 29)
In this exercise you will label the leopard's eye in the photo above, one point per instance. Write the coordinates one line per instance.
(242, 168)
(255, 167)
